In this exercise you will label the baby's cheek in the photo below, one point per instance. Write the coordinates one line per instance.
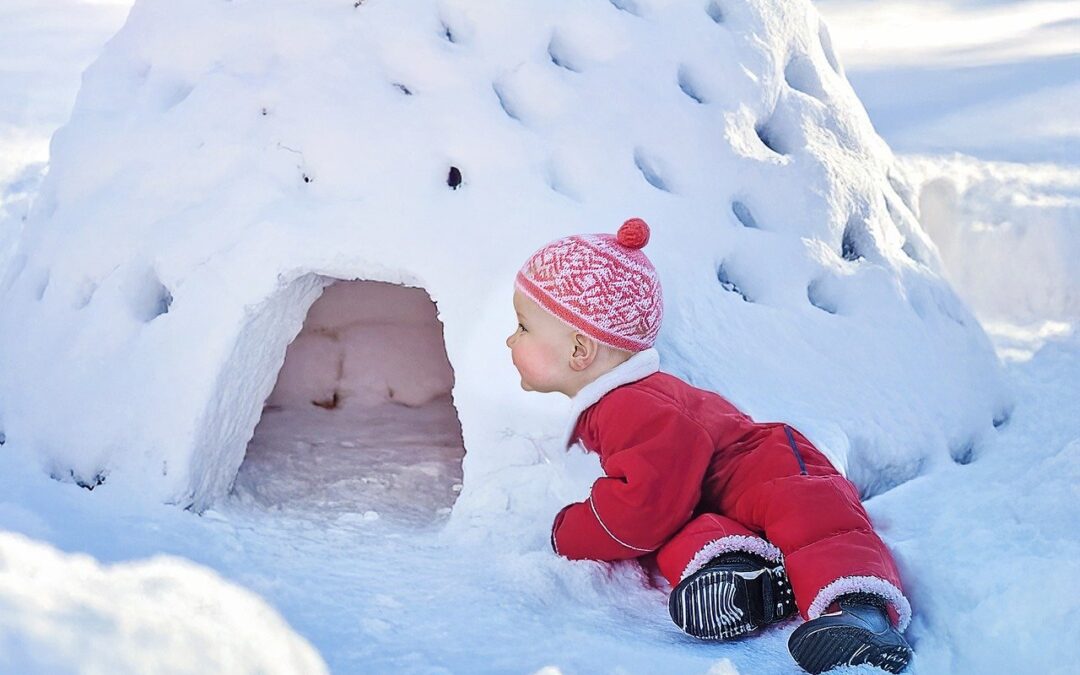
(531, 364)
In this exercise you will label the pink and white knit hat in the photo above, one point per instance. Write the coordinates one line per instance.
(603, 285)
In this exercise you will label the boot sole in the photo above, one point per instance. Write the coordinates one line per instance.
(716, 605)
(832, 646)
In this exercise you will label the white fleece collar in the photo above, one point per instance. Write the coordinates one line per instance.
(640, 365)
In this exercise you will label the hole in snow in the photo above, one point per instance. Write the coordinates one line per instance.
(453, 178)
(628, 6)
(715, 12)
(819, 297)
(686, 83)
(742, 212)
(827, 47)
(361, 420)
(726, 282)
(801, 75)
(1000, 419)
(448, 34)
(3, 437)
(770, 138)
(649, 167)
(403, 89)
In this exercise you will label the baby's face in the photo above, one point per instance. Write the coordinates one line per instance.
(541, 348)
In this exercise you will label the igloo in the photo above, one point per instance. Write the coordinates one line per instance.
(227, 162)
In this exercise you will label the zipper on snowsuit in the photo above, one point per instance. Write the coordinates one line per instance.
(795, 450)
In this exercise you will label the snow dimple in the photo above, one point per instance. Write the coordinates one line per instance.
(628, 6)
(715, 12)
(687, 84)
(650, 168)
(84, 294)
(876, 470)
(175, 95)
(42, 285)
(769, 137)
(96, 479)
(909, 249)
(148, 297)
(902, 191)
(819, 297)
(558, 182)
(900, 220)
(562, 53)
(504, 102)
(743, 214)
(826, 46)
(963, 454)
(1002, 418)
(856, 240)
(801, 75)
(726, 282)
(448, 33)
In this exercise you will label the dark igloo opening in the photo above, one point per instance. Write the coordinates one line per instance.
(361, 419)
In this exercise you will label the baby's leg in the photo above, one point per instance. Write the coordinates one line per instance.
(704, 538)
(726, 581)
(787, 489)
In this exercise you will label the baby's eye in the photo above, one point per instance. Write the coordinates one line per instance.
(521, 327)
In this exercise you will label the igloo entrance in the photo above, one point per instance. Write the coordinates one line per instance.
(361, 418)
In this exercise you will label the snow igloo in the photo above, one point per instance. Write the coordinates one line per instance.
(201, 199)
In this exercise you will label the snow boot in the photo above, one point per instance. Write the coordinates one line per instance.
(733, 594)
(860, 632)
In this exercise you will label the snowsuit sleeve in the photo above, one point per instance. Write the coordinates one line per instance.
(654, 458)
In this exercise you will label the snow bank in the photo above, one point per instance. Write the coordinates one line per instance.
(1009, 234)
(199, 200)
(66, 613)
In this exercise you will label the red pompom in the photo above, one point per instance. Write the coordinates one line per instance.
(634, 233)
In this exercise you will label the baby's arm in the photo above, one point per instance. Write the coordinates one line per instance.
(654, 458)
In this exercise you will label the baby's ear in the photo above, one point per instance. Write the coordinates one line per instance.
(585, 351)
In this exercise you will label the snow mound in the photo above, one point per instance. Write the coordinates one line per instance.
(200, 200)
(62, 613)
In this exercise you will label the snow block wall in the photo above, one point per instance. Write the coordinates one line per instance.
(225, 161)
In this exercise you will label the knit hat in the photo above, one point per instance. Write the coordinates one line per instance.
(603, 285)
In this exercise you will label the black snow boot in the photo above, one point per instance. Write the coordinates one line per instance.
(859, 633)
(733, 594)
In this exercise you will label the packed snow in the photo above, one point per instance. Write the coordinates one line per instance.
(342, 408)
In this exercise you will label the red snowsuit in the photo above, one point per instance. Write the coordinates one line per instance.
(688, 476)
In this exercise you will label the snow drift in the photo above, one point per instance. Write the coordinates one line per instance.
(67, 613)
(199, 200)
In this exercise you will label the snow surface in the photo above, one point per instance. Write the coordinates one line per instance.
(977, 535)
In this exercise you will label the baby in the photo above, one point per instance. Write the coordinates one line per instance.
(747, 520)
